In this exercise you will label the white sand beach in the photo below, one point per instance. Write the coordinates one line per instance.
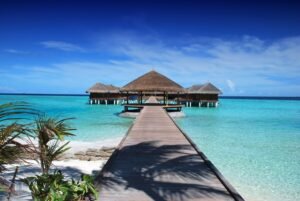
(72, 168)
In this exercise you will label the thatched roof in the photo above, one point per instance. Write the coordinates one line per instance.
(207, 88)
(153, 82)
(103, 88)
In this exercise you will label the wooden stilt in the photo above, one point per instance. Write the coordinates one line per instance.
(167, 98)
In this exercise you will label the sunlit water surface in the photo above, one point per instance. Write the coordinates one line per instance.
(254, 143)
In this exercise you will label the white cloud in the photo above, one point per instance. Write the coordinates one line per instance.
(231, 85)
(14, 51)
(254, 65)
(246, 60)
(60, 45)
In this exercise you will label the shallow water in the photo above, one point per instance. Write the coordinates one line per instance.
(254, 143)
(92, 122)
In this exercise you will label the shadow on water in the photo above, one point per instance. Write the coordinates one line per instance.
(162, 172)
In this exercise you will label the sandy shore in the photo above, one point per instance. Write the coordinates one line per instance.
(72, 168)
(83, 145)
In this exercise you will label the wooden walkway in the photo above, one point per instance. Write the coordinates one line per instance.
(157, 161)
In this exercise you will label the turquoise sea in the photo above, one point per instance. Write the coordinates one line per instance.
(254, 143)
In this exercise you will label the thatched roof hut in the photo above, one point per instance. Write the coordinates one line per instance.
(207, 88)
(103, 88)
(152, 82)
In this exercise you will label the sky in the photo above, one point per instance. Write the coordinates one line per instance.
(245, 48)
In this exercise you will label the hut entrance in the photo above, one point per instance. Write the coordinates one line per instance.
(152, 84)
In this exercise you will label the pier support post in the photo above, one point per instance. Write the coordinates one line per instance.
(207, 104)
(105, 102)
(199, 104)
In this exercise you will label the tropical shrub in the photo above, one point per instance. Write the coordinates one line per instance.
(11, 132)
(53, 187)
(50, 132)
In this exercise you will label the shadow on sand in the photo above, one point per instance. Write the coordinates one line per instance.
(22, 191)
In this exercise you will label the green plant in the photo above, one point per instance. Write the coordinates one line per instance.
(53, 187)
(11, 132)
(50, 133)
(84, 187)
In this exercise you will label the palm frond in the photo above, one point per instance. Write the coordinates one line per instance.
(11, 132)
(50, 132)
(14, 109)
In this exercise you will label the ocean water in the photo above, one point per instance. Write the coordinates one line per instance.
(92, 122)
(254, 143)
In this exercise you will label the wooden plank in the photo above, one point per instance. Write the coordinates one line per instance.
(156, 161)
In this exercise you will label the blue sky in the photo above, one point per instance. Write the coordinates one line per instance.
(243, 47)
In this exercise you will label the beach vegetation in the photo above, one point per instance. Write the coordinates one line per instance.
(43, 139)
(50, 133)
(12, 133)
(13, 137)
(50, 187)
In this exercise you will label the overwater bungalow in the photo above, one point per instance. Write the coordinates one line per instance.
(202, 95)
(153, 84)
(104, 94)
(167, 92)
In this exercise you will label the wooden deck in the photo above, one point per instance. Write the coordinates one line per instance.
(140, 106)
(157, 161)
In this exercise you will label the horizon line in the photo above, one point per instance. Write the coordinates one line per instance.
(221, 96)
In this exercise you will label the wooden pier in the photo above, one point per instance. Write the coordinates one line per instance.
(157, 161)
